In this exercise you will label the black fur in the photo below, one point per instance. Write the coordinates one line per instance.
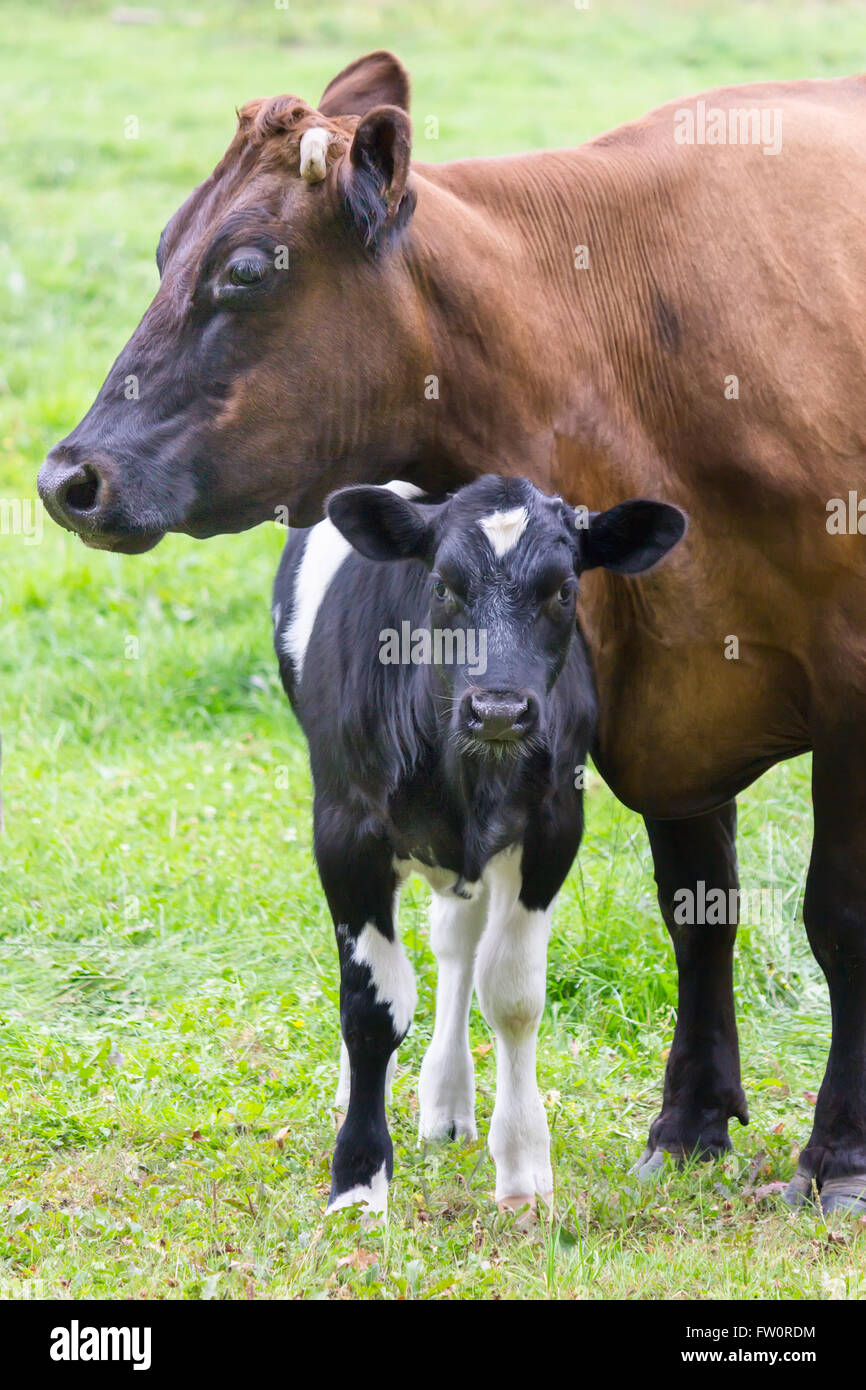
(403, 758)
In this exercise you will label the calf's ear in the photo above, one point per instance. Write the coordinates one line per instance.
(376, 174)
(631, 537)
(380, 524)
(377, 79)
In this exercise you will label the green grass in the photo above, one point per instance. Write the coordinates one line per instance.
(169, 980)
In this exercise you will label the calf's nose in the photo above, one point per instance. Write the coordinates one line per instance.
(501, 715)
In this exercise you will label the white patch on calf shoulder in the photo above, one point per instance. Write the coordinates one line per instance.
(323, 555)
(313, 150)
(504, 529)
(391, 974)
(374, 1197)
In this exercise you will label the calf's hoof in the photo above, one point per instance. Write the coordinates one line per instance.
(835, 1194)
(515, 1204)
(525, 1207)
(446, 1097)
(371, 1197)
(442, 1126)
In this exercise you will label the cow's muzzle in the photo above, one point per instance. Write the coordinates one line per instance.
(498, 717)
(81, 495)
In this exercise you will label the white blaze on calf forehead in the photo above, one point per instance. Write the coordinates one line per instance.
(324, 553)
(314, 148)
(504, 529)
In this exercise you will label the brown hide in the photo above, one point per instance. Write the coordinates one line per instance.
(705, 262)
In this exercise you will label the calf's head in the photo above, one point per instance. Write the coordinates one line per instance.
(266, 370)
(504, 562)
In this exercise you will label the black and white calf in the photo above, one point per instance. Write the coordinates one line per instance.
(447, 698)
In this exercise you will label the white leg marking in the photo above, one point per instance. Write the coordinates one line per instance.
(391, 974)
(344, 1085)
(504, 529)
(510, 978)
(374, 1197)
(446, 1089)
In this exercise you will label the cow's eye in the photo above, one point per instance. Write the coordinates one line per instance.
(566, 592)
(247, 272)
(440, 590)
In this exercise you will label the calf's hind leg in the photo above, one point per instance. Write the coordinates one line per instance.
(377, 1000)
(834, 909)
(702, 1087)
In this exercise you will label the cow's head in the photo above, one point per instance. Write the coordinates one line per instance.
(262, 374)
(504, 561)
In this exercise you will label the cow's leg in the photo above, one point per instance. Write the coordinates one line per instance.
(344, 1081)
(446, 1089)
(834, 909)
(702, 1087)
(510, 979)
(377, 1000)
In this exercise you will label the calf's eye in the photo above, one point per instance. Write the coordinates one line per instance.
(566, 593)
(440, 590)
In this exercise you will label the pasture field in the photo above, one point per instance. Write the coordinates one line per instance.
(168, 978)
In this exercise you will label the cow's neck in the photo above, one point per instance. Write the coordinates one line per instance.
(567, 375)
(535, 373)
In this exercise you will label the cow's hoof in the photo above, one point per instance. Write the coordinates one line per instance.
(836, 1194)
(844, 1194)
(800, 1190)
(651, 1162)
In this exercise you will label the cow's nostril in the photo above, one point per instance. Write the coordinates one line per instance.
(495, 716)
(81, 491)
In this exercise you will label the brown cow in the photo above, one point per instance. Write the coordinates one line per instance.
(676, 309)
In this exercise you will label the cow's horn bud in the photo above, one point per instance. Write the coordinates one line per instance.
(314, 146)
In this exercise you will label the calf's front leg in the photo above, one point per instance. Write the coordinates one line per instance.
(377, 1000)
(446, 1089)
(510, 979)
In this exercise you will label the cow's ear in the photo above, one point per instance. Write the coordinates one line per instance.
(377, 79)
(631, 537)
(381, 524)
(376, 174)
